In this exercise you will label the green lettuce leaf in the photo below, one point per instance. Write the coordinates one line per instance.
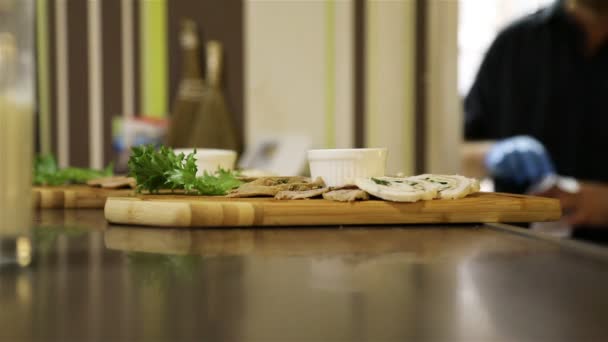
(47, 172)
(159, 169)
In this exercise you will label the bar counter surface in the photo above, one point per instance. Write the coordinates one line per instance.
(99, 282)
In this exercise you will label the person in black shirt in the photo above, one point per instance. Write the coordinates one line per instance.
(539, 106)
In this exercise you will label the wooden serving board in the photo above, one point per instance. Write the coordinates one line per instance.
(74, 196)
(196, 211)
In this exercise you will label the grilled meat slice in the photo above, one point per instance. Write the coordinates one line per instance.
(306, 194)
(346, 195)
(117, 182)
(270, 186)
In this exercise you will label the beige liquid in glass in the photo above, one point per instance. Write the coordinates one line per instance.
(16, 132)
(16, 150)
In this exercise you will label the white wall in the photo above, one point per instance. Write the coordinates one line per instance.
(390, 81)
(444, 106)
(294, 84)
(299, 81)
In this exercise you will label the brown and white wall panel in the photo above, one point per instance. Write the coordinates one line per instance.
(47, 78)
(60, 86)
(80, 81)
(112, 71)
(96, 60)
(78, 73)
(131, 57)
(342, 72)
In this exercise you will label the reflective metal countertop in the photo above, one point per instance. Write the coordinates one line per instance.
(94, 281)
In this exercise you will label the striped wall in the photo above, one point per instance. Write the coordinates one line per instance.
(342, 72)
(79, 79)
(98, 59)
(113, 86)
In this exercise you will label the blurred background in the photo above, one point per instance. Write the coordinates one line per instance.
(322, 73)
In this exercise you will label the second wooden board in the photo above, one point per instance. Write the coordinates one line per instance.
(196, 211)
(74, 196)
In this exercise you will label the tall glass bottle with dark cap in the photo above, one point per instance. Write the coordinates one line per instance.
(184, 114)
(214, 125)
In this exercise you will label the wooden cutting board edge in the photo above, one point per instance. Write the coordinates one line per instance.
(186, 211)
(74, 197)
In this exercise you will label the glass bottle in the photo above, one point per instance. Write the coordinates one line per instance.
(187, 102)
(16, 130)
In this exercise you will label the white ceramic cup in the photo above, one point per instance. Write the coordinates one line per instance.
(340, 167)
(210, 160)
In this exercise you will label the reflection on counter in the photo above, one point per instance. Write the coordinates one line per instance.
(317, 241)
(460, 283)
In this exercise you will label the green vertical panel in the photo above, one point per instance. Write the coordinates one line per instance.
(330, 74)
(42, 46)
(154, 57)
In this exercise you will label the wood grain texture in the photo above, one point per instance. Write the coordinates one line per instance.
(74, 197)
(191, 211)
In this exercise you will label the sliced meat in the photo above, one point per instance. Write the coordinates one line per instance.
(272, 181)
(295, 195)
(245, 179)
(256, 191)
(117, 182)
(346, 195)
(270, 186)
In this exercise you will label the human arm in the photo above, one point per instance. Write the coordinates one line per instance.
(520, 160)
(473, 154)
(586, 207)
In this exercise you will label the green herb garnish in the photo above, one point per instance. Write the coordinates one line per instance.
(160, 169)
(46, 172)
(381, 182)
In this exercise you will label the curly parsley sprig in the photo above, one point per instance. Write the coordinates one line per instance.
(155, 170)
(47, 172)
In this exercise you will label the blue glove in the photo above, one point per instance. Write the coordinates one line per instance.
(522, 160)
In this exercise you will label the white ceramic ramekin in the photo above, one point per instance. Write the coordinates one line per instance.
(340, 167)
(210, 160)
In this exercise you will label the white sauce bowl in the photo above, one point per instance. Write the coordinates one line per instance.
(340, 167)
(210, 160)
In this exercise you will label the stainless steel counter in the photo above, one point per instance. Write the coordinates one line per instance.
(92, 281)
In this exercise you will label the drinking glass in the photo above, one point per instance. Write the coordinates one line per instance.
(16, 130)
